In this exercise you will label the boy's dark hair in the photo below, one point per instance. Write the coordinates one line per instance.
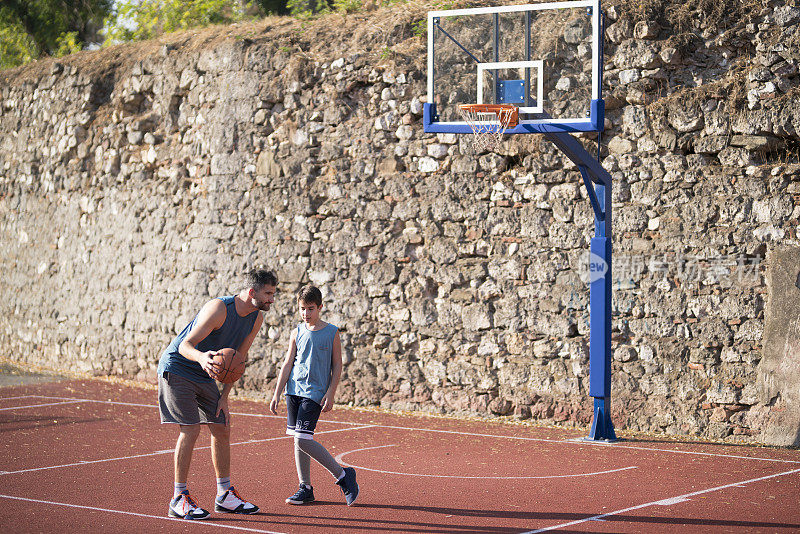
(310, 294)
(258, 278)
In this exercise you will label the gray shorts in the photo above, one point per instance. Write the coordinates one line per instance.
(185, 402)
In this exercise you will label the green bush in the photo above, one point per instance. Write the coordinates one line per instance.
(137, 20)
(16, 46)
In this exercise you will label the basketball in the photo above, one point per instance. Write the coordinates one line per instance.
(231, 364)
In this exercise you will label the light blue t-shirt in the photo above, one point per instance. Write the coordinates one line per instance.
(311, 372)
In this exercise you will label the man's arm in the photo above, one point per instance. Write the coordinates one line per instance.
(211, 317)
(336, 374)
(286, 369)
(244, 348)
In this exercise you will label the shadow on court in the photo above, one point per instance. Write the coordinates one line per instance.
(627, 522)
(11, 375)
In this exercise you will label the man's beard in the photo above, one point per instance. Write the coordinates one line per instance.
(262, 305)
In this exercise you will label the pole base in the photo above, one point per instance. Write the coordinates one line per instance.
(602, 427)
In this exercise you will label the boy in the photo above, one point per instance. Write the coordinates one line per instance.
(310, 374)
(189, 397)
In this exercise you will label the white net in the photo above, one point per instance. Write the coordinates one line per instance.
(487, 127)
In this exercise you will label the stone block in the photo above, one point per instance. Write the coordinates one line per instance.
(779, 369)
(685, 116)
(636, 53)
(756, 142)
(710, 144)
(645, 29)
(427, 165)
(620, 145)
(735, 157)
(625, 353)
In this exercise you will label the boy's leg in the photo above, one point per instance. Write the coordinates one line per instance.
(303, 463)
(307, 416)
(305, 494)
(320, 454)
(301, 460)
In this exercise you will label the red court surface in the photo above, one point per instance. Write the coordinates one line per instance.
(91, 456)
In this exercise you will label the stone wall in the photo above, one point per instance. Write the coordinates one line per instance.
(141, 180)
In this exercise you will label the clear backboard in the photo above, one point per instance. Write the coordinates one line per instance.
(544, 58)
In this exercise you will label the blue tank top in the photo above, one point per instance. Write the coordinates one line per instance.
(311, 372)
(231, 334)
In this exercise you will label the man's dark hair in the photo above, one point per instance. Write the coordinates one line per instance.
(258, 278)
(310, 294)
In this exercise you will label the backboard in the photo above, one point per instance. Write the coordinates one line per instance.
(545, 58)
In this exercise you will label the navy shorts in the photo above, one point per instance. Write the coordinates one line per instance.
(302, 415)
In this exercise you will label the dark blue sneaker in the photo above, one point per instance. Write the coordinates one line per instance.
(349, 485)
(303, 496)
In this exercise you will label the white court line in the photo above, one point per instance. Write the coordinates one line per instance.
(456, 432)
(146, 516)
(266, 416)
(155, 406)
(40, 405)
(167, 451)
(613, 445)
(119, 403)
(695, 453)
(662, 502)
(21, 397)
(342, 455)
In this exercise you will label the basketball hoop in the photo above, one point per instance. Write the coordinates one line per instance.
(488, 122)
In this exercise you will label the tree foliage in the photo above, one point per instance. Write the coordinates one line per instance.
(30, 29)
(273, 7)
(309, 8)
(136, 20)
(33, 28)
(16, 46)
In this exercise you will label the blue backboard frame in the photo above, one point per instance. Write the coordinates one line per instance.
(540, 123)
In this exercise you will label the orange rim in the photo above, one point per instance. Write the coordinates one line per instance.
(507, 114)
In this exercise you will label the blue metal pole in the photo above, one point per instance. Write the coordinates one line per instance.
(598, 185)
(600, 320)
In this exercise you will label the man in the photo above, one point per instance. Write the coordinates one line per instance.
(189, 397)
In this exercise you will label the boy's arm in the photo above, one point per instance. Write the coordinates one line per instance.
(336, 374)
(286, 369)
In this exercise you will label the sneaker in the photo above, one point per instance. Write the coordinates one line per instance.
(183, 506)
(348, 485)
(231, 502)
(303, 496)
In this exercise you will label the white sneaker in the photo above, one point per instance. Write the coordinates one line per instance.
(232, 503)
(183, 506)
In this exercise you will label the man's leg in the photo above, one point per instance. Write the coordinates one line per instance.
(221, 449)
(183, 451)
(229, 500)
(182, 505)
(177, 403)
